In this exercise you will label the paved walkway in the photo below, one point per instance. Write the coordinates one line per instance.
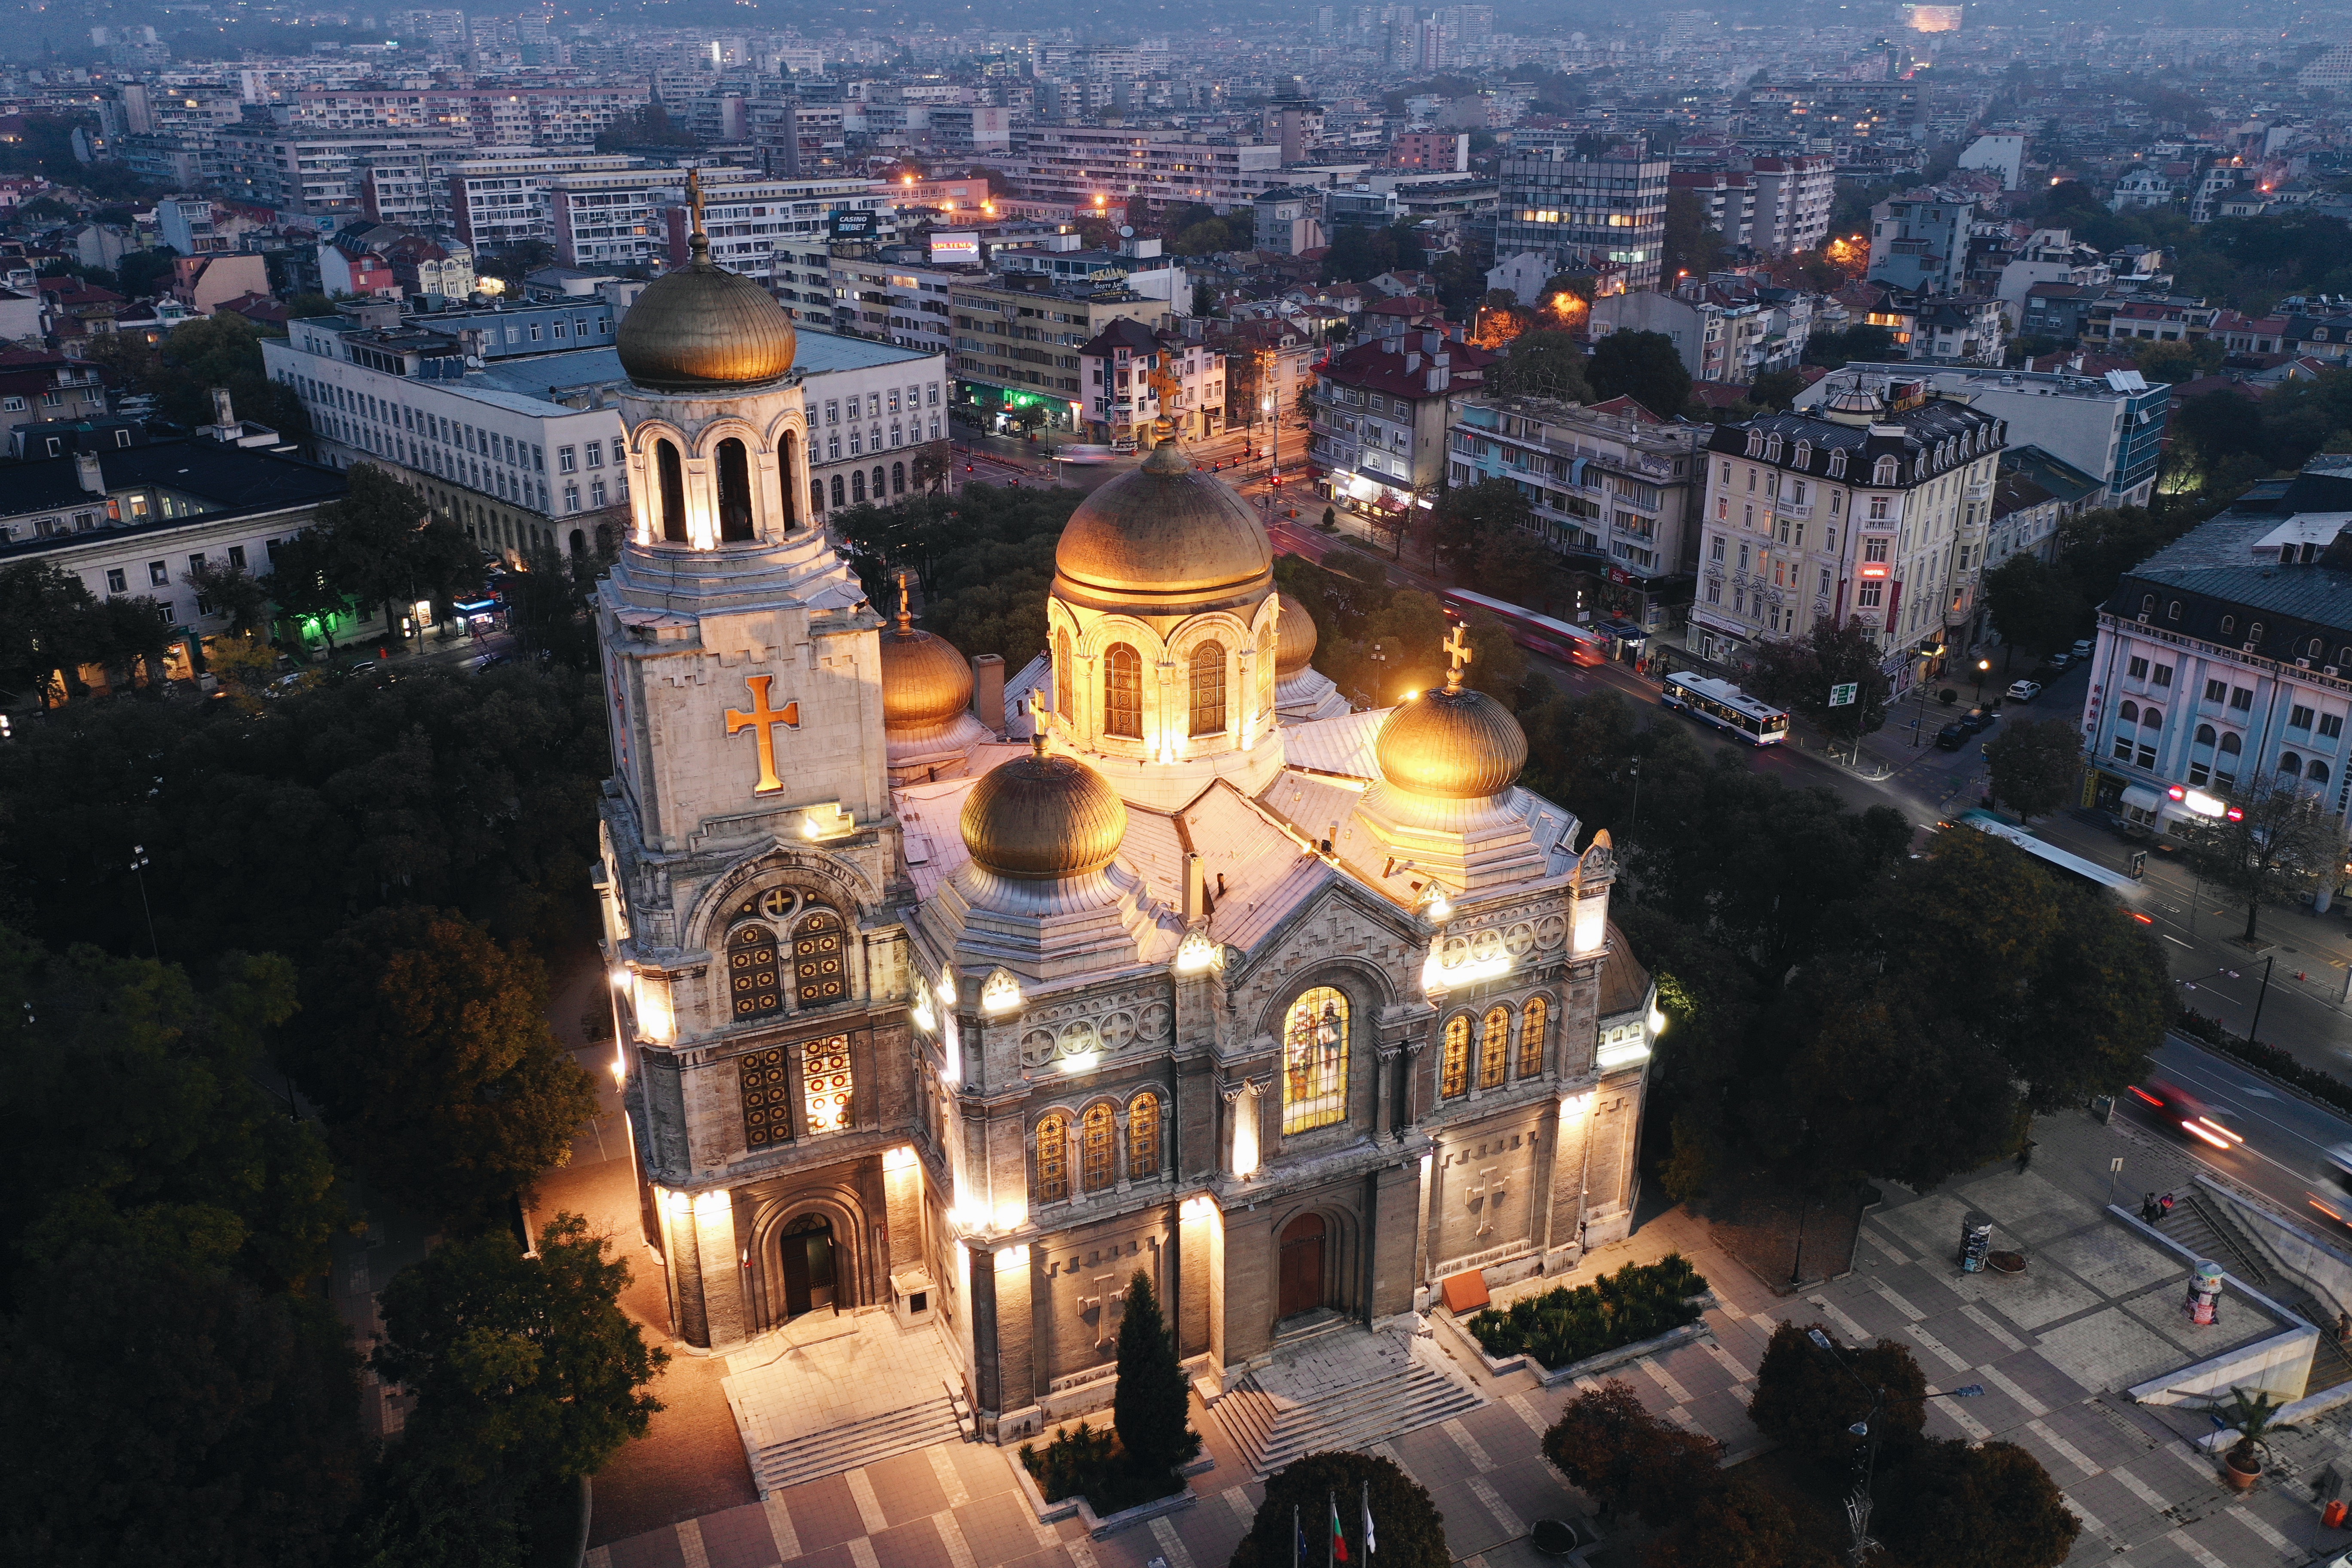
(2051, 1348)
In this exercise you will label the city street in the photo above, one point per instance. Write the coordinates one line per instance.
(2284, 1133)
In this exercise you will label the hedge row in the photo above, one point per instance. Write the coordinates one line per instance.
(2319, 1085)
(1639, 1301)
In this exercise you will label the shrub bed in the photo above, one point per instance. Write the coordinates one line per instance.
(1639, 1301)
(1087, 1462)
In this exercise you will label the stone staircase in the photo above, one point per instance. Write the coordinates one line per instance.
(941, 1419)
(1340, 1392)
(2198, 1223)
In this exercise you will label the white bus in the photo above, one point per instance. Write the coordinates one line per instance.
(1725, 706)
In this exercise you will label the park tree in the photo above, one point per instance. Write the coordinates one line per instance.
(1543, 362)
(1693, 246)
(2278, 840)
(1626, 1460)
(233, 593)
(1957, 1505)
(2034, 764)
(302, 589)
(2033, 606)
(370, 537)
(1148, 1410)
(426, 1043)
(1302, 1497)
(1807, 1399)
(44, 611)
(1643, 366)
(1468, 517)
(1740, 1526)
(1777, 389)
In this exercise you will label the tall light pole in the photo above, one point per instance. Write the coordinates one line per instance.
(139, 864)
(1858, 1504)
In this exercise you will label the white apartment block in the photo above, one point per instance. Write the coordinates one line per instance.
(569, 116)
(1145, 170)
(502, 197)
(319, 174)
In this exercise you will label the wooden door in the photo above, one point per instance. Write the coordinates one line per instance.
(806, 1247)
(1301, 1276)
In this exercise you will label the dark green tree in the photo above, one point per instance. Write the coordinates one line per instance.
(1957, 1505)
(426, 1043)
(1776, 389)
(2033, 606)
(372, 543)
(1802, 675)
(1543, 363)
(2284, 841)
(1806, 1401)
(1149, 1409)
(1304, 1494)
(1694, 247)
(1609, 1447)
(302, 591)
(2035, 763)
(232, 591)
(1465, 518)
(42, 612)
(1643, 366)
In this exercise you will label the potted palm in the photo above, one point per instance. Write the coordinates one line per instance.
(2251, 1413)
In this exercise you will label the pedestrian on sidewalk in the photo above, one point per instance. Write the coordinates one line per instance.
(2025, 1155)
(2164, 1207)
(2148, 1212)
(2343, 1327)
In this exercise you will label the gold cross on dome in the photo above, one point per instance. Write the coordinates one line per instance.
(694, 196)
(761, 722)
(1457, 653)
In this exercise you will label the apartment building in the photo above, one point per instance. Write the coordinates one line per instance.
(316, 174)
(1871, 507)
(1145, 169)
(502, 197)
(1379, 441)
(1721, 339)
(1017, 340)
(1587, 210)
(896, 294)
(748, 216)
(1616, 490)
(2111, 427)
(2228, 654)
(1136, 382)
(1920, 241)
(569, 116)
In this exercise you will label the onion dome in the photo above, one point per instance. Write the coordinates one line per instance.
(1165, 539)
(1040, 817)
(925, 682)
(1295, 638)
(1454, 743)
(703, 328)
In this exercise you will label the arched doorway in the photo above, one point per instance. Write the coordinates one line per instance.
(1301, 1269)
(807, 1245)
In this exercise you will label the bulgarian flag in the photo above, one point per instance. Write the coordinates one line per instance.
(1338, 1537)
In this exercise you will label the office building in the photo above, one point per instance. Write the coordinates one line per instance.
(1582, 211)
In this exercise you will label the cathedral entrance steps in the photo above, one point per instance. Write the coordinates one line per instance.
(856, 1443)
(1340, 1392)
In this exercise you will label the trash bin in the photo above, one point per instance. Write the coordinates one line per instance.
(1976, 1245)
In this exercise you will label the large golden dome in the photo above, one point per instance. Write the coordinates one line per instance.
(703, 327)
(1165, 539)
(1041, 817)
(1454, 743)
(1294, 632)
(925, 682)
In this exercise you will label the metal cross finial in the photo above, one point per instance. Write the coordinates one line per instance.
(1037, 721)
(694, 196)
(905, 618)
(1457, 653)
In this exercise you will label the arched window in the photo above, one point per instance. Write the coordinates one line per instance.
(820, 973)
(2204, 735)
(1314, 1060)
(579, 542)
(1052, 1158)
(825, 1083)
(2172, 610)
(2147, 603)
(1494, 1047)
(2290, 764)
(2255, 633)
(787, 464)
(2230, 746)
(2229, 625)
(1062, 675)
(2149, 719)
(856, 486)
(734, 492)
(753, 980)
(816, 495)
(1143, 1137)
(877, 481)
(1883, 473)
(673, 492)
(1123, 691)
(838, 497)
(898, 478)
(1208, 689)
(1533, 1019)
(1454, 1061)
(2312, 653)
(1095, 1148)
(2315, 771)
(2128, 713)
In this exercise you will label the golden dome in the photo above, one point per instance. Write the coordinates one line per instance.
(1294, 632)
(1038, 816)
(925, 682)
(1454, 743)
(702, 327)
(1165, 539)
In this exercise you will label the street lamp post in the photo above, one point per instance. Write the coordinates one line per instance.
(139, 864)
(1858, 1504)
(1984, 667)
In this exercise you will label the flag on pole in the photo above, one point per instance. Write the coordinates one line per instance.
(1370, 1545)
(1338, 1540)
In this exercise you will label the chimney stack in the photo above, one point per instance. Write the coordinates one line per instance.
(86, 468)
(987, 690)
(223, 412)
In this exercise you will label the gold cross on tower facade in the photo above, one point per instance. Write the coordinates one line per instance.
(1457, 653)
(761, 722)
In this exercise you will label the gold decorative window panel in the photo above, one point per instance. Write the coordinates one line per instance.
(754, 983)
(1208, 689)
(1494, 1047)
(767, 1099)
(820, 968)
(1533, 1019)
(1314, 1060)
(1062, 675)
(1454, 1062)
(1143, 1137)
(826, 1082)
(1095, 1148)
(1052, 1159)
(1123, 692)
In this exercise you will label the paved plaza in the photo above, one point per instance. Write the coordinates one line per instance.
(2096, 1311)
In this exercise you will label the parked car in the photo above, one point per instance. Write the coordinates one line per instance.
(1953, 736)
(2058, 661)
(480, 662)
(1979, 720)
(2024, 691)
(2081, 648)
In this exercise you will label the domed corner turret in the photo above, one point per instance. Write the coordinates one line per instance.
(1454, 743)
(1294, 634)
(926, 683)
(1163, 539)
(1040, 817)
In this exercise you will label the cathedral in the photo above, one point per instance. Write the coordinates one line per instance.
(960, 997)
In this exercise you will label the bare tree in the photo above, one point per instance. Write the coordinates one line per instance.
(2278, 838)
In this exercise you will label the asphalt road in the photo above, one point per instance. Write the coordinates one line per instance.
(2284, 1135)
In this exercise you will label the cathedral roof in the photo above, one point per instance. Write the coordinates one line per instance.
(925, 681)
(1455, 743)
(703, 328)
(1163, 539)
(1296, 630)
(1039, 818)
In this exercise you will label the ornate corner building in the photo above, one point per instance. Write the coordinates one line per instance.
(1182, 966)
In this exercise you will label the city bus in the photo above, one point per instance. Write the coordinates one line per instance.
(1533, 632)
(2062, 861)
(1725, 706)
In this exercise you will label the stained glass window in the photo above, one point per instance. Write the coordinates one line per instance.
(825, 1086)
(1095, 1150)
(767, 1095)
(753, 981)
(1532, 1021)
(1143, 1137)
(1052, 1159)
(1314, 1060)
(1123, 692)
(1453, 1065)
(820, 974)
(1208, 689)
(1494, 1047)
